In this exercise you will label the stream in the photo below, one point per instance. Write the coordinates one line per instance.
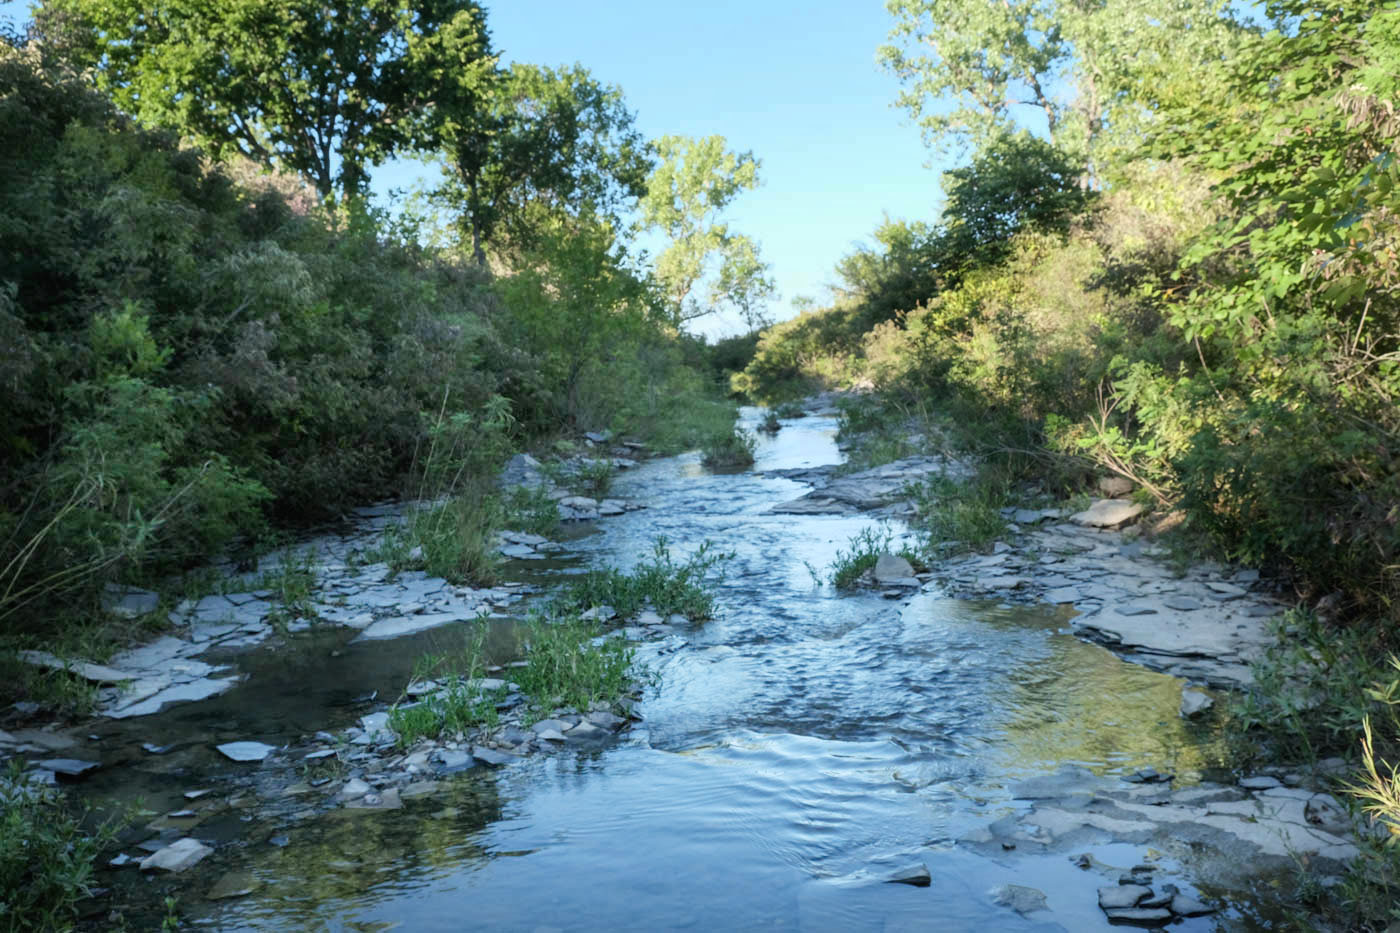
(792, 755)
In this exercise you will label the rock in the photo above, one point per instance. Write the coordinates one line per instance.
(121, 859)
(1115, 487)
(890, 567)
(1108, 513)
(599, 614)
(97, 673)
(1194, 702)
(610, 507)
(916, 875)
(551, 725)
(454, 761)
(1324, 812)
(246, 751)
(178, 856)
(1019, 898)
(579, 503)
(490, 756)
(1182, 603)
(1260, 782)
(234, 884)
(354, 789)
(1184, 906)
(129, 602)
(598, 437)
(69, 767)
(1139, 914)
(586, 731)
(606, 720)
(550, 735)
(1225, 591)
(1121, 896)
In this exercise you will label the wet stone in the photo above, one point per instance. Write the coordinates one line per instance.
(178, 856)
(246, 751)
(1123, 896)
(916, 875)
(1260, 782)
(492, 757)
(69, 767)
(234, 884)
(1018, 897)
(1184, 906)
(1139, 914)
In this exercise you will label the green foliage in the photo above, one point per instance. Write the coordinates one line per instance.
(960, 515)
(862, 553)
(732, 449)
(659, 582)
(530, 509)
(572, 665)
(46, 860)
(321, 89)
(459, 704)
(455, 540)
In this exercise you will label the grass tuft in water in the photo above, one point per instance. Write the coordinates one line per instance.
(572, 664)
(730, 450)
(958, 516)
(791, 410)
(661, 581)
(770, 423)
(862, 553)
(455, 540)
(530, 509)
(459, 705)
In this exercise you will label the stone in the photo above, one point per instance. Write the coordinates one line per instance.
(128, 602)
(552, 725)
(354, 789)
(1019, 898)
(454, 761)
(490, 756)
(1121, 896)
(246, 751)
(1139, 914)
(69, 767)
(1184, 906)
(1225, 590)
(178, 856)
(1108, 513)
(234, 884)
(1182, 603)
(1260, 782)
(579, 503)
(97, 673)
(890, 567)
(550, 735)
(606, 720)
(916, 875)
(600, 614)
(586, 731)
(1194, 702)
(1115, 487)
(397, 626)
(610, 507)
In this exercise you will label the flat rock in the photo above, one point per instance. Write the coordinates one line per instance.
(178, 856)
(1121, 896)
(1019, 898)
(1108, 513)
(1115, 487)
(246, 751)
(397, 626)
(69, 767)
(234, 884)
(128, 602)
(1184, 906)
(1194, 702)
(1139, 914)
(97, 673)
(916, 875)
(491, 756)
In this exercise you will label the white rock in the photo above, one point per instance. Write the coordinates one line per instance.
(246, 751)
(1194, 702)
(176, 857)
(1108, 513)
(890, 568)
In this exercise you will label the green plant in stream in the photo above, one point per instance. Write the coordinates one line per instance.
(455, 540)
(862, 553)
(770, 423)
(530, 509)
(456, 699)
(959, 515)
(665, 584)
(293, 583)
(731, 449)
(571, 664)
(46, 860)
(791, 410)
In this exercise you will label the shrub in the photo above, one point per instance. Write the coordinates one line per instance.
(733, 449)
(666, 585)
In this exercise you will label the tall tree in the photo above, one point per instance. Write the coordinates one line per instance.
(694, 182)
(530, 137)
(324, 88)
(974, 71)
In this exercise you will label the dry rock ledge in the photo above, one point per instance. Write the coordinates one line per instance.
(1206, 625)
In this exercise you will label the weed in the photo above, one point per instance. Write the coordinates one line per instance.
(791, 410)
(293, 584)
(959, 516)
(455, 540)
(661, 582)
(730, 450)
(865, 550)
(570, 664)
(770, 423)
(171, 920)
(46, 861)
(530, 509)
(460, 704)
(582, 475)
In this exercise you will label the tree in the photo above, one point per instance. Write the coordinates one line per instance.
(324, 88)
(533, 136)
(694, 181)
(975, 71)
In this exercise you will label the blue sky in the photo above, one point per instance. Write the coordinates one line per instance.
(795, 82)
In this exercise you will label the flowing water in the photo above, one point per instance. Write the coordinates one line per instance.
(793, 753)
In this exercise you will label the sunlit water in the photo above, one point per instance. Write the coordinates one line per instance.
(794, 751)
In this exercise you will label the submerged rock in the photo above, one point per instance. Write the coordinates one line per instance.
(178, 856)
(234, 884)
(916, 875)
(1019, 898)
(1194, 702)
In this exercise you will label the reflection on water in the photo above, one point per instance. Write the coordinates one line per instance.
(795, 750)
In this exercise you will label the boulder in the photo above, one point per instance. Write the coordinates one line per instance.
(1115, 487)
(1109, 513)
(890, 568)
(1194, 702)
(916, 875)
(178, 856)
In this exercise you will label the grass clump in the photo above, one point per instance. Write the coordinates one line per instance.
(770, 423)
(958, 516)
(661, 581)
(730, 450)
(530, 509)
(582, 475)
(571, 664)
(46, 860)
(455, 540)
(458, 705)
(791, 410)
(863, 552)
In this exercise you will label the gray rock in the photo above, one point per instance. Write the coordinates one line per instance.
(1182, 603)
(1184, 906)
(916, 875)
(97, 673)
(1108, 513)
(610, 507)
(246, 751)
(586, 731)
(128, 602)
(490, 756)
(454, 761)
(1019, 898)
(606, 720)
(1194, 702)
(1115, 487)
(69, 767)
(1139, 914)
(552, 725)
(1260, 782)
(178, 856)
(890, 567)
(1225, 590)
(234, 884)
(354, 789)
(1121, 896)
(550, 735)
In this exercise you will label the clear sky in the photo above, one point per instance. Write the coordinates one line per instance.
(795, 81)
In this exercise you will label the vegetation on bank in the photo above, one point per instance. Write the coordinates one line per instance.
(1192, 282)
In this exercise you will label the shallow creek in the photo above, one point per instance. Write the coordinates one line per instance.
(793, 754)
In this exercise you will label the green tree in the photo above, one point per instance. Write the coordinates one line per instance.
(533, 136)
(974, 71)
(324, 88)
(695, 180)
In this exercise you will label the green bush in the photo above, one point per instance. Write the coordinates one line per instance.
(732, 449)
(661, 582)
